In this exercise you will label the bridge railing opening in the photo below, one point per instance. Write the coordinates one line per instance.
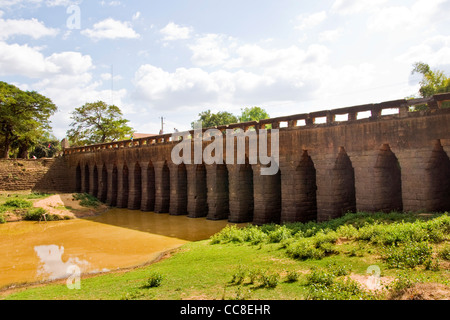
(369, 112)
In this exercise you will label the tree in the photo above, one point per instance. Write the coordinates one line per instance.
(23, 116)
(253, 114)
(46, 147)
(433, 81)
(98, 122)
(209, 119)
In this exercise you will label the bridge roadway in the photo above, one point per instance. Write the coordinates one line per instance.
(331, 162)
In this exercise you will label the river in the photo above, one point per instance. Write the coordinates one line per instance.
(119, 238)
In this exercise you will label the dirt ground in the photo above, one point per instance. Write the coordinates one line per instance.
(66, 205)
(63, 205)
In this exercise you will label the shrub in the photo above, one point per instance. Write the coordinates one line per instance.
(239, 276)
(2, 218)
(337, 269)
(253, 234)
(320, 278)
(35, 214)
(279, 234)
(444, 253)
(269, 280)
(303, 250)
(155, 279)
(18, 203)
(86, 200)
(323, 285)
(228, 234)
(409, 255)
(292, 276)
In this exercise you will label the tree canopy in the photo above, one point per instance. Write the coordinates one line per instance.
(24, 117)
(253, 114)
(209, 119)
(98, 122)
(433, 81)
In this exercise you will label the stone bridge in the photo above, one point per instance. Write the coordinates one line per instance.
(374, 157)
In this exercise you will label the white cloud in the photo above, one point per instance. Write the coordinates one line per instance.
(27, 61)
(110, 3)
(392, 18)
(211, 49)
(330, 35)
(434, 51)
(355, 6)
(173, 32)
(111, 29)
(311, 20)
(32, 27)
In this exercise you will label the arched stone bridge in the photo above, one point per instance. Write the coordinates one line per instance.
(331, 162)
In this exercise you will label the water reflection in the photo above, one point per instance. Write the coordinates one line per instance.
(119, 238)
(180, 227)
(52, 265)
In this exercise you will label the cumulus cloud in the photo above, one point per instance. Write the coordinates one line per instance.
(391, 18)
(111, 29)
(311, 20)
(346, 7)
(24, 27)
(172, 32)
(211, 49)
(434, 51)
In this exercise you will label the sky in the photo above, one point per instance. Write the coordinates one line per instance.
(177, 58)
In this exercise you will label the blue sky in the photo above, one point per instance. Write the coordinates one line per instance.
(174, 59)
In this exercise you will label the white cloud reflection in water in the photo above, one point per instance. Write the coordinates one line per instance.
(52, 266)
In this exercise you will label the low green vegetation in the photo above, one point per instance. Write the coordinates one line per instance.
(328, 260)
(87, 200)
(21, 205)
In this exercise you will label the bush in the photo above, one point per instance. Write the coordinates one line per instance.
(279, 234)
(155, 279)
(18, 203)
(35, 214)
(409, 255)
(324, 285)
(2, 219)
(304, 250)
(86, 200)
(269, 280)
(444, 253)
(292, 276)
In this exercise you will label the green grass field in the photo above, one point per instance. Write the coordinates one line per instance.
(294, 261)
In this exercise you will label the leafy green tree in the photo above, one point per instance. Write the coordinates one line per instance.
(46, 147)
(98, 122)
(253, 114)
(433, 82)
(23, 114)
(209, 119)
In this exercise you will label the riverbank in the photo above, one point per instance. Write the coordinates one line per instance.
(61, 206)
(359, 256)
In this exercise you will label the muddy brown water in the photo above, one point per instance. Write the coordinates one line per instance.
(119, 238)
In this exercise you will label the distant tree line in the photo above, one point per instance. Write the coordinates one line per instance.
(220, 118)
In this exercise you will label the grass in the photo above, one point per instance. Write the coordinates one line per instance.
(293, 261)
(21, 204)
(87, 200)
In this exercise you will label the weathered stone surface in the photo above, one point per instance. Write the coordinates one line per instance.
(380, 163)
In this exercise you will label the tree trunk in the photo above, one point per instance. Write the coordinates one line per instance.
(7, 145)
(23, 152)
